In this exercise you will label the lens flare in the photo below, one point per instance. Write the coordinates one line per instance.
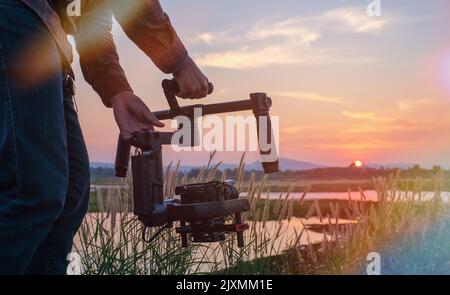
(442, 71)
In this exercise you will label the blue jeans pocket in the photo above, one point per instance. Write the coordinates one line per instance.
(16, 3)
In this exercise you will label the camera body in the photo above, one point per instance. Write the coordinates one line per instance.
(210, 229)
(213, 191)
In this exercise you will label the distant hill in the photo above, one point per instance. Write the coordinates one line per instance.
(288, 164)
(285, 164)
(102, 165)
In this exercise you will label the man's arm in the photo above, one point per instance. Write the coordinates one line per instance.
(149, 27)
(101, 69)
(100, 62)
(146, 24)
(98, 55)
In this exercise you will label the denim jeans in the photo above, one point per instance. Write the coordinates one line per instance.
(44, 166)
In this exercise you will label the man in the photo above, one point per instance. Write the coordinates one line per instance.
(44, 174)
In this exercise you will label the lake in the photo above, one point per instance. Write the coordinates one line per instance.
(355, 196)
(370, 195)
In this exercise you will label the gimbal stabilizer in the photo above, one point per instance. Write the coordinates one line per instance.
(202, 208)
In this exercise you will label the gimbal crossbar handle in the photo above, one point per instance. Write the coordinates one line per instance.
(209, 109)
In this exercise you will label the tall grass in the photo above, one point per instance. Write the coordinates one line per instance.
(278, 241)
(401, 214)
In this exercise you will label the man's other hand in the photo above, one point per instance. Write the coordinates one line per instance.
(192, 82)
(132, 114)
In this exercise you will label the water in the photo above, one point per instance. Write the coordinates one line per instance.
(370, 195)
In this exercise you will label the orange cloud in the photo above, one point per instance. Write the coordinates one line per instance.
(311, 96)
(369, 116)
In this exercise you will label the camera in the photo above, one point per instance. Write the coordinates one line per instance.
(210, 229)
(207, 192)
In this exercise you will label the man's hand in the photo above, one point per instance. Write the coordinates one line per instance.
(192, 82)
(132, 114)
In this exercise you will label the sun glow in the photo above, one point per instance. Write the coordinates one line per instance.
(358, 164)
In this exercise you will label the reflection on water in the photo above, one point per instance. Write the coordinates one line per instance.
(287, 234)
(271, 238)
(356, 196)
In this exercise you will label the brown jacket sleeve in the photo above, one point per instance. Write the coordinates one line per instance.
(98, 54)
(149, 27)
(144, 22)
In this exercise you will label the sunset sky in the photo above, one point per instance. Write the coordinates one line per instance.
(345, 85)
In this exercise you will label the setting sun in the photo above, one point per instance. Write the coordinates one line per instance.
(358, 164)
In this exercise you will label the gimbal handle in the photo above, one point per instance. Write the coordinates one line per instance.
(171, 88)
